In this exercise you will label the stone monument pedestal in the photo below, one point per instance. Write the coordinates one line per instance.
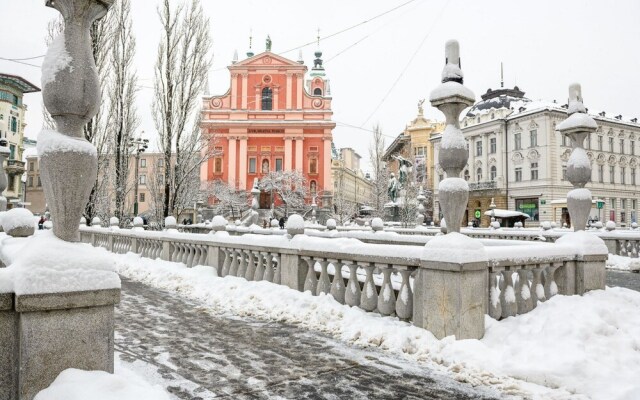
(44, 334)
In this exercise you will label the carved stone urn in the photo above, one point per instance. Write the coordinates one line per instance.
(71, 92)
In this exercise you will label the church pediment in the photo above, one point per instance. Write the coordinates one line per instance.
(266, 59)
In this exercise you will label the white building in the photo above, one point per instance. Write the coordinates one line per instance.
(518, 158)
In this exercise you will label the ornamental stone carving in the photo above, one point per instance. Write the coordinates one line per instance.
(517, 158)
(533, 155)
(601, 159)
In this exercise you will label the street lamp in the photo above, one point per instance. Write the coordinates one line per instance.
(138, 145)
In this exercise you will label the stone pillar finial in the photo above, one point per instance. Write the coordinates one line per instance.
(577, 126)
(71, 94)
(451, 97)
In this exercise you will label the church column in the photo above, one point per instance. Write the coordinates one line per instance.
(326, 169)
(289, 89)
(299, 97)
(242, 171)
(299, 152)
(287, 153)
(234, 91)
(245, 90)
(232, 162)
(258, 95)
(276, 91)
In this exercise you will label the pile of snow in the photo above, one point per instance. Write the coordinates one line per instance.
(449, 89)
(585, 243)
(454, 248)
(218, 223)
(567, 347)
(331, 224)
(50, 141)
(621, 263)
(377, 224)
(452, 138)
(579, 159)
(75, 384)
(295, 221)
(18, 218)
(45, 264)
(453, 185)
(577, 120)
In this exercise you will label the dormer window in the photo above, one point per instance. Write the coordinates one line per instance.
(267, 99)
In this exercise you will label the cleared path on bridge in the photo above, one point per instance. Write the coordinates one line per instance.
(200, 355)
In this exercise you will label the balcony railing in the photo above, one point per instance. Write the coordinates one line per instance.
(15, 166)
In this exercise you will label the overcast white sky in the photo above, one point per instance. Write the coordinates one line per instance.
(545, 45)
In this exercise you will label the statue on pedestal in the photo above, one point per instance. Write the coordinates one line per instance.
(392, 188)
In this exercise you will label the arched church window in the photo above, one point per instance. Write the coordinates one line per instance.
(267, 99)
(494, 173)
(317, 92)
(479, 175)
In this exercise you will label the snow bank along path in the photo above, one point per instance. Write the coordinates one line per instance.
(569, 347)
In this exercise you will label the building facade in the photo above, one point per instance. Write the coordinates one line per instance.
(518, 158)
(349, 182)
(12, 124)
(271, 119)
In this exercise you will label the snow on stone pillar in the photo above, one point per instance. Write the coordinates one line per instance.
(451, 97)
(577, 126)
(71, 93)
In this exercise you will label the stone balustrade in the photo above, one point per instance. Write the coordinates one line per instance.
(371, 273)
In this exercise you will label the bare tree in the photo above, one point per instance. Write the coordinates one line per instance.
(380, 173)
(181, 70)
(290, 186)
(122, 87)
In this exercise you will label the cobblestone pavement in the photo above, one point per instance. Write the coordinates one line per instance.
(200, 355)
(629, 280)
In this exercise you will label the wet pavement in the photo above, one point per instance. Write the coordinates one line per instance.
(629, 280)
(201, 355)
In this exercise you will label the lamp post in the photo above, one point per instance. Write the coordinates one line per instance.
(139, 145)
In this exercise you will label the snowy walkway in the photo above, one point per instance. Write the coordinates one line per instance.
(629, 280)
(199, 355)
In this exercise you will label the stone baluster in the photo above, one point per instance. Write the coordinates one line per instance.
(550, 285)
(228, 257)
(523, 292)
(451, 97)
(352, 293)
(251, 265)
(369, 298)
(577, 126)
(242, 264)
(508, 295)
(311, 280)
(634, 249)
(387, 297)
(337, 285)
(268, 274)
(235, 262)
(404, 303)
(537, 286)
(495, 306)
(277, 275)
(259, 273)
(324, 284)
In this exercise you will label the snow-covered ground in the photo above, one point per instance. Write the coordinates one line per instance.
(569, 347)
(621, 263)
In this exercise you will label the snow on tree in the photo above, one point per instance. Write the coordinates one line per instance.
(290, 186)
(226, 198)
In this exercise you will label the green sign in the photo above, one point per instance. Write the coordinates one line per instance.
(543, 202)
(527, 206)
(477, 214)
(599, 204)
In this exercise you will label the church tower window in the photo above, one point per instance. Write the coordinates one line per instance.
(267, 99)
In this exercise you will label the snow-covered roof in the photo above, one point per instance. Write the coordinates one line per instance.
(499, 213)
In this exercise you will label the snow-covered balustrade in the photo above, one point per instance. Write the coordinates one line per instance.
(500, 277)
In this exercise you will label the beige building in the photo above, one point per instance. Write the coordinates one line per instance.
(12, 124)
(517, 156)
(415, 144)
(349, 183)
(34, 194)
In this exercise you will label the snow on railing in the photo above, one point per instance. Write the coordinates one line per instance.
(376, 277)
